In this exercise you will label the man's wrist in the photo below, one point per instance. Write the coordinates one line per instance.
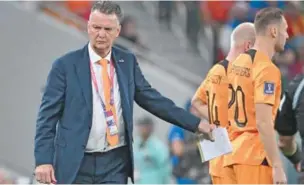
(197, 131)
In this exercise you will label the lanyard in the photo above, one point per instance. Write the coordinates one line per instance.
(111, 86)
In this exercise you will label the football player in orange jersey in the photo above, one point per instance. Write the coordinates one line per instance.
(211, 98)
(255, 84)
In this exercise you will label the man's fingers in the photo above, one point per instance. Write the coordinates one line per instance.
(211, 136)
(53, 176)
(212, 127)
(48, 177)
(204, 127)
(38, 176)
(207, 136)
(45, 175)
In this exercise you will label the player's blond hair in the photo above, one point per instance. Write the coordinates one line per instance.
(241, 33)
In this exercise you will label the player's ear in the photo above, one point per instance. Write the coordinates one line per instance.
(247, 45)
(273, 31)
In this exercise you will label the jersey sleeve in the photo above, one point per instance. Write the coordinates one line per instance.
(285, 123)
(267, 85)
(214, 78)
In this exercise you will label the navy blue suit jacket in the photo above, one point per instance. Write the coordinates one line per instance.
(65, 114)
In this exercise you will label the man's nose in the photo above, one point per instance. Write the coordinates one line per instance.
(102, 32)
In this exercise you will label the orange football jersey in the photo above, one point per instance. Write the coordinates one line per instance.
(214, 93)
(253, 78)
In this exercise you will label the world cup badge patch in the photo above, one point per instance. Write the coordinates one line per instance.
(268, 88)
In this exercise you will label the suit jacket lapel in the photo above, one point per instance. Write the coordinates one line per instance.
(84, 77)
(121, 78)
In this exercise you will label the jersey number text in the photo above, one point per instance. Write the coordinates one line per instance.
(212, 109)
(238, 100)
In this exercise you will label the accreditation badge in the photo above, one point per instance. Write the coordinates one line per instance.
(111, 123)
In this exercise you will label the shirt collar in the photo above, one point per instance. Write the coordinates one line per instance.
(94, 57)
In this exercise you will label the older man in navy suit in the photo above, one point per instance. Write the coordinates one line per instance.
(84, 126)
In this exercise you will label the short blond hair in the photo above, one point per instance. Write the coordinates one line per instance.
(244, 31)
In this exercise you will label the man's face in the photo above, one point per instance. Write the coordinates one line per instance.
(103, 29)
(282, 36)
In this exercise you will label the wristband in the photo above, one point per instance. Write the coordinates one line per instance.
(296, 157)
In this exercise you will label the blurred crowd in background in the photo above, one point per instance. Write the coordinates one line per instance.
(219, 17)
(177, 160)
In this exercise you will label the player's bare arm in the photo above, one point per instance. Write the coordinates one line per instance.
(199, 105)
(267, 133)
(268, 138)
(200, 108)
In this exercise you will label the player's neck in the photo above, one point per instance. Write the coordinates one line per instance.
(233, 53)
(263, 45)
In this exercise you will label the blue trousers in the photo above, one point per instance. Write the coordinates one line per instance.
(105, 168)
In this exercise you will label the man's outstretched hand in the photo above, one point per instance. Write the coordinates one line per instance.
(205, 130)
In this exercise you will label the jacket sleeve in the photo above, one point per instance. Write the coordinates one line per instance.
(49, 113)
(151, 100)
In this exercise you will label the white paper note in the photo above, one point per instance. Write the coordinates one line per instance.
(221, 146)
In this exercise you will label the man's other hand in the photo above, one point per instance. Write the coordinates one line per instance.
(45, 174)
(206, 129)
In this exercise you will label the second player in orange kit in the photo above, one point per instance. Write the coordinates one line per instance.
(255, 83)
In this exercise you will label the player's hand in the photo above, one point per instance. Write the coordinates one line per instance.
(278, 175)
(45, 174)
(205, 130)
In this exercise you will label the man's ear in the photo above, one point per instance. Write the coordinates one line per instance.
(273, 31)
(247, 45)
(88, 25)
(118, 30)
